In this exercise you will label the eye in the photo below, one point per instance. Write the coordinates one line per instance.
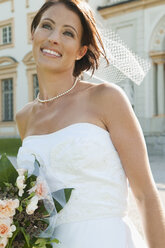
(46, 26)
(68, 33)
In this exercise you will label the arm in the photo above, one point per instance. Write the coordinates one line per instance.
(128, 139)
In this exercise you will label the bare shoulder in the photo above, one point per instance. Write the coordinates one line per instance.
(110, 92)
(112, 96)
(22, 117)
(114, 104)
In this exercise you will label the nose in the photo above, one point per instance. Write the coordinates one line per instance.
(54, 37)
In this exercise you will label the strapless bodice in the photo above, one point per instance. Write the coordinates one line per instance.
(81, 156)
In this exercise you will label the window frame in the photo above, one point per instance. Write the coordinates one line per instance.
(8, 69)
(3, 24)
(3, 114)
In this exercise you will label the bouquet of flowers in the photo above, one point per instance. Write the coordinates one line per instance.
(26, 208)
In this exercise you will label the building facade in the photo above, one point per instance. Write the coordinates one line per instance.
(140, 23)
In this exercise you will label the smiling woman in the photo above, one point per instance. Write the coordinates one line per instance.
(86, 136)
(87, 32)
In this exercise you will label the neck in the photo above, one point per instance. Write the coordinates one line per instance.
(53, 84)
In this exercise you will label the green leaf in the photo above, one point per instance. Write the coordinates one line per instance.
(40, 241)
(68, 192)
(53, 241)
(20, 209)
(45, 242)
(13, 237)
(26, 236)
(57, 205)
(8, 173)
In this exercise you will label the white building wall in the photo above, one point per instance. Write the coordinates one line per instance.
(135, 28)
(22, 46)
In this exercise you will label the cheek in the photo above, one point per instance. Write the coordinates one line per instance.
(71, 48)
(36, 43)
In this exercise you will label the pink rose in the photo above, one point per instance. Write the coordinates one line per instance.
(40, 189)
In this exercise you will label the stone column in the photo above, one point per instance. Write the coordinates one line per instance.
(155, 94)
(161, 89)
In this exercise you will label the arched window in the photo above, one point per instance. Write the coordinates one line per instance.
(157, 53)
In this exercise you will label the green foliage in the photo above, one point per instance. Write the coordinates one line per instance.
(45, 243)
(8, 173)
(68, 192)
(10, 146)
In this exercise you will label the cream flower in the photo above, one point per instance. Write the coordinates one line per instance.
(6, 229)
(20, 184)
(32, 206)
(8, 207)
(21, 171)
(40, 189)
(3, 242)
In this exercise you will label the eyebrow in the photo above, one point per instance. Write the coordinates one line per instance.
(64, 25)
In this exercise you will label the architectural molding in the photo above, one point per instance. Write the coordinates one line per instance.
(12, 3)
(28, 60)
(30, 70)
(158, 36)
(7, 64)
(27, 3)
(120, 9)
(158, 57)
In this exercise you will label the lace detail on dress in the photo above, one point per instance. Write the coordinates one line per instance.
(93, 168)
(86, 160)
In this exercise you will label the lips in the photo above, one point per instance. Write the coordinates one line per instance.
(51, 52)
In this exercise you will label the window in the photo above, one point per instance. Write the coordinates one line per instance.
(7, 99)
(35, 86)
(6, 34)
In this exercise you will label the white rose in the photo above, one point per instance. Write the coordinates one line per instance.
(5, 229)
(32, 206)
(21, 171)
(3, 242)
(12, 229)
(20, 184)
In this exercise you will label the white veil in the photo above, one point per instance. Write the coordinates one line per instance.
(123, 63)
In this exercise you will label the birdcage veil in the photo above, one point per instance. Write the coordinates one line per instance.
(123, 63)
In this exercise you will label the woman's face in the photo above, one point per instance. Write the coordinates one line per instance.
(57, 39)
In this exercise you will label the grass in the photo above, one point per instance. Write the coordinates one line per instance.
(10, 146)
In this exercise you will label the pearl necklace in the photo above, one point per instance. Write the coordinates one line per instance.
(55, 97)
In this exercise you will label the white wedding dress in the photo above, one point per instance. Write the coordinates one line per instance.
(82, 156)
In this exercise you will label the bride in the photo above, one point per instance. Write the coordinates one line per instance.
(86, 136)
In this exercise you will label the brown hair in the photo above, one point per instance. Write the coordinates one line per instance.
(90, 37)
